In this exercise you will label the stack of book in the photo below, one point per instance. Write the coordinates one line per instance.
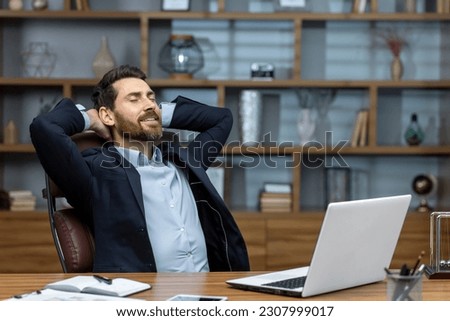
(276, 198)
(22, 200)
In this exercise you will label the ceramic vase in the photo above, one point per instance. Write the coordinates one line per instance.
(103, 61)
(10, 135)
(396, 68)
(15, 5)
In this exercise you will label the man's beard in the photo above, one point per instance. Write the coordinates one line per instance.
(142, 135)
(134, 131)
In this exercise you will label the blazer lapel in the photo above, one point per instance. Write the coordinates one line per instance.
(135, 183)
(133, 176)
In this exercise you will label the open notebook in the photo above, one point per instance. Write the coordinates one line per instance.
(86, 288)
(356, 242)
(99, 285)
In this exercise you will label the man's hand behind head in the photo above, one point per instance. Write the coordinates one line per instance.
(97, 125)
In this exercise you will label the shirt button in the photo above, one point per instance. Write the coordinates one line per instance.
(171, 205)
(182, 229)
(163, 183)
(189, 254)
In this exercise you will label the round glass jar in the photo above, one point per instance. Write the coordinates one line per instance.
(181, 57)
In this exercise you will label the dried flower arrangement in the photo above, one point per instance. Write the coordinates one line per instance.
(393, 41)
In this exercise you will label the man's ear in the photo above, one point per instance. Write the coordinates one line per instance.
(106, 116)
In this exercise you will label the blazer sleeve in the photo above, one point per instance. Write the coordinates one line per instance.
(213, 124)
(50, 134)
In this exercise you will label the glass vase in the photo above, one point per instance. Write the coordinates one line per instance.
(250, 117)
(414, 134)
(37, 60)
(306, 125)
(323, 101)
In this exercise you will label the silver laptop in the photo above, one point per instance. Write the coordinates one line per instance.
(356, 242)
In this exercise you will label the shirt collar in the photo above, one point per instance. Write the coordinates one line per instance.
(137, 159)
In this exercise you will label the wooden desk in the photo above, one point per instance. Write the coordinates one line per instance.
(165, 285)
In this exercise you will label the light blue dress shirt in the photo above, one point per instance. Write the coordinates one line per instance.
(171, 215)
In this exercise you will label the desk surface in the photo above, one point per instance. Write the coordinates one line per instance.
(165, 285)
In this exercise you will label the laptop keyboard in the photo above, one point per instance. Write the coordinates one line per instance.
(293, 283)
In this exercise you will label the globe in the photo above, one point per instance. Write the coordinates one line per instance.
(423, 185)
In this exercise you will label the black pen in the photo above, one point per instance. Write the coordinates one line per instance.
(103, 279)
(418, 262)
(20, 296)
(404, 270)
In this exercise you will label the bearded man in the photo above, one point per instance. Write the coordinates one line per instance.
(150, 204)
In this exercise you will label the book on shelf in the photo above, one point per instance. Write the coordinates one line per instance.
(275, 202)
(23, 200)
(359, 6)
(356, 130)
(20, 193)
(363, 135)
(360, 129)
(443, 6)
(271, 196)
(284, 208)
(82, 5)
(276, 209)
(120, 287)
(18, 208)
(277, 188)
(280, 205)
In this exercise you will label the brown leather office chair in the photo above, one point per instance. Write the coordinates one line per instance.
(73, 239)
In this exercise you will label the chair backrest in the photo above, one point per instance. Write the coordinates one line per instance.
(73, 238)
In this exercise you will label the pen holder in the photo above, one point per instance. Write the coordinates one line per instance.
(404, 287)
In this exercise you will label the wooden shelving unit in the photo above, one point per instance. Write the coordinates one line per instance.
(271, 236)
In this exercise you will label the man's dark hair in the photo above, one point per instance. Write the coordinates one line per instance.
(104, 93)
